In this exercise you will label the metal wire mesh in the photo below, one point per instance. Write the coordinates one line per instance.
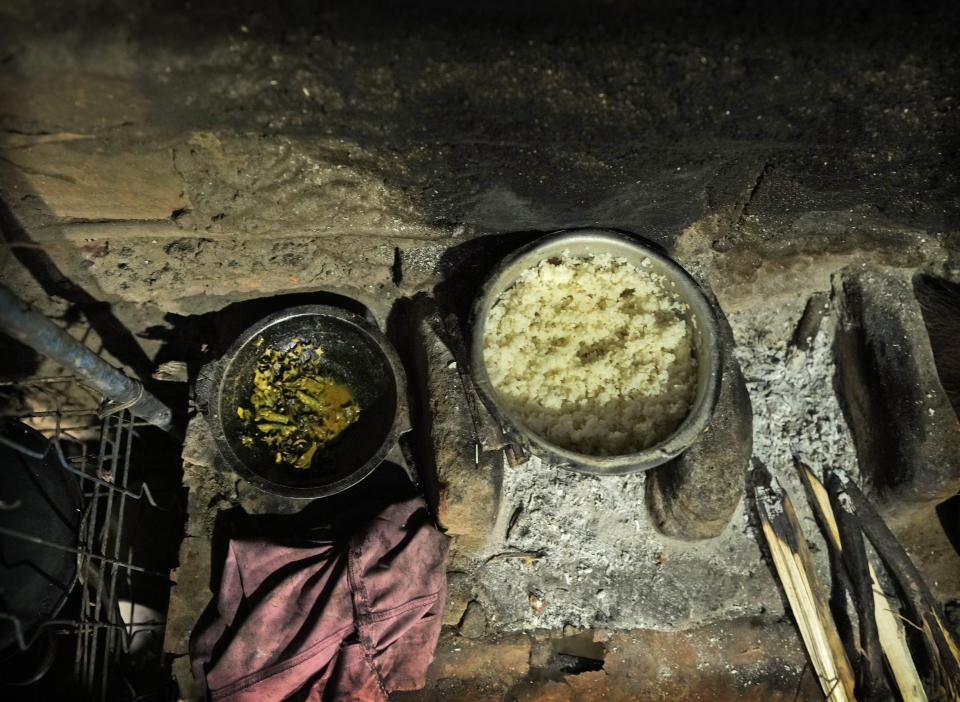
(97, 450)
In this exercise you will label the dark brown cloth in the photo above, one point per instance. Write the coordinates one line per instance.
(351, 619)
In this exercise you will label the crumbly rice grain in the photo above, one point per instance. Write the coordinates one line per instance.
(593, 354)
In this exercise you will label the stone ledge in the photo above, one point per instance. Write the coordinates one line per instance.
(905, 429)
(694, 496)
(743, 659)
(80, 179)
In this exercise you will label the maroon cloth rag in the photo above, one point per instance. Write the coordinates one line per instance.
(352, 619)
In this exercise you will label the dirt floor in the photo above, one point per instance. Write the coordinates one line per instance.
(164, 164)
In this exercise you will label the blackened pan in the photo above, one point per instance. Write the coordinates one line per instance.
(355, 353)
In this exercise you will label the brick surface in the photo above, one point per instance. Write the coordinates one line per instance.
(502, 657)
(465, 481)
(906, 431)
(695, 495)
(81, 180)
(746, 659)
(73, 100)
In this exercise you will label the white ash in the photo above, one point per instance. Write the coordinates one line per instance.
(795, 409)
(603, 564)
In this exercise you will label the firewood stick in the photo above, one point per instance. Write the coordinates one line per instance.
(840, 584)
(911, 582)
(805, 593)
(890, 630)
(872, 682)
(893, 641)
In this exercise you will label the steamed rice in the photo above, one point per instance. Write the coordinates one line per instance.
(593, 354)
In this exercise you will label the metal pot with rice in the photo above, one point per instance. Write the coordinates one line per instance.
(596, 352)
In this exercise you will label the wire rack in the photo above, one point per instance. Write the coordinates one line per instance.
(97, 451)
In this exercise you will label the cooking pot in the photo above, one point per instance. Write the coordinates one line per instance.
(705, 343)
(355, 353)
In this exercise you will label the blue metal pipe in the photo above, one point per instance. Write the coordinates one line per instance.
(36, 331)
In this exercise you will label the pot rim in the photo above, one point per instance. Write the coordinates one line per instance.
(220, 374)
(708, 352)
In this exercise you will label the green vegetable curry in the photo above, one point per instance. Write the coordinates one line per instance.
(293, 409)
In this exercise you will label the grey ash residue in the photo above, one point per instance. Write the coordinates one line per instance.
(604, 565)
(795, 409)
